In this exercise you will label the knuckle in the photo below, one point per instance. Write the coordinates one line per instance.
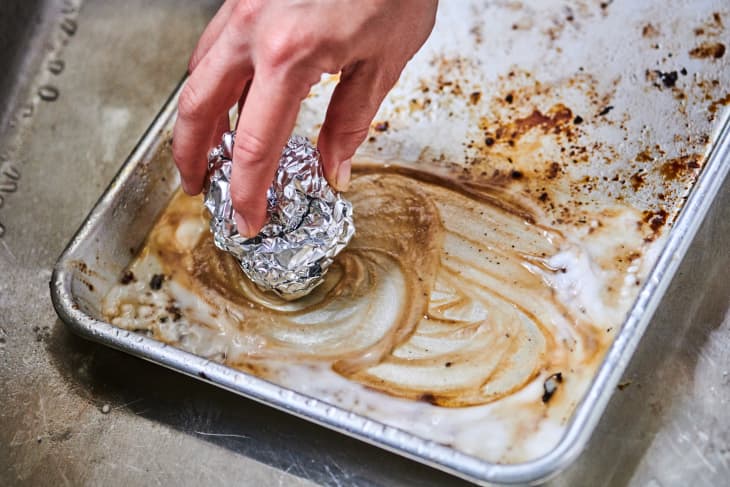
(239, 197)
(288, 47)
(250, 149)
(244, 14)
(190, 104)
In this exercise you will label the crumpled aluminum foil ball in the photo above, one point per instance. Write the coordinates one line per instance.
(309, 223)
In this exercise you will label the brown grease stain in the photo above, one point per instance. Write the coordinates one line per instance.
(680, 167)
(708, 50)
(557, 116)
(400, 225)
(723, 101)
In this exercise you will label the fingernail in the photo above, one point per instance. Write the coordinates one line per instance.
(242, 226)
(343, 175)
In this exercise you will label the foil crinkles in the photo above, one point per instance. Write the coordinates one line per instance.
(309, 223)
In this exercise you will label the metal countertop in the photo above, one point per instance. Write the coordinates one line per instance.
(78, 413)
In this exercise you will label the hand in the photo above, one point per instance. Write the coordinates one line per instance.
(267, 55)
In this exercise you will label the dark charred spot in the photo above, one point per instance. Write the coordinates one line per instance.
(382, 126)
(623, 385)
(683, 71)
(156, 282)
(127, 277)
(489, 141)
(174, 311)
(515, 174)
(543, 197)
(656, 220)
(578, 120)
(474, 97)
(669, 79)
(448, 364)
(550, 386)
(509, 98)
(605, 110)
(428, 397)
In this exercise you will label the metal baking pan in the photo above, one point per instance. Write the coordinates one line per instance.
(119, 223)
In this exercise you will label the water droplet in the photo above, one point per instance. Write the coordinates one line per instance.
(56, 66)
(69, 26)
(48, 93)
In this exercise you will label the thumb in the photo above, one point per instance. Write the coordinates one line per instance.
(354, 103)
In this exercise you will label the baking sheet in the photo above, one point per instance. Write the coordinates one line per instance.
(151, 180)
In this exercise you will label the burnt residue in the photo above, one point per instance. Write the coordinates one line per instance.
(428, 397)
(722, 101)
(382, 126)
(708, 50)
(175, 312)
(644, 156)
(662, 79)
(655, 219)
(552, 121)
(711, 27)
(637, 180)
(605, 110)
(127, 277)
(553, 170)
(669, 79)
(156, 281)
(550, 386)
(680, 167)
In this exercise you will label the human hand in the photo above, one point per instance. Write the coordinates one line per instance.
(267, 55)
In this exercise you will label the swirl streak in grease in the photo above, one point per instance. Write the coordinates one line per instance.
(441, 295)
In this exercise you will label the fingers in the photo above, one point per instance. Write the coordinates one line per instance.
(265, 124)
(211, 34)
(354, 103)
(210, 91)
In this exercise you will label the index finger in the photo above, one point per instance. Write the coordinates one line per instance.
(265, 124)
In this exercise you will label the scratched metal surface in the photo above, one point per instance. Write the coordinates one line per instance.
(668, 426)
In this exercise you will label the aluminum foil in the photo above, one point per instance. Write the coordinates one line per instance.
(309, 223)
